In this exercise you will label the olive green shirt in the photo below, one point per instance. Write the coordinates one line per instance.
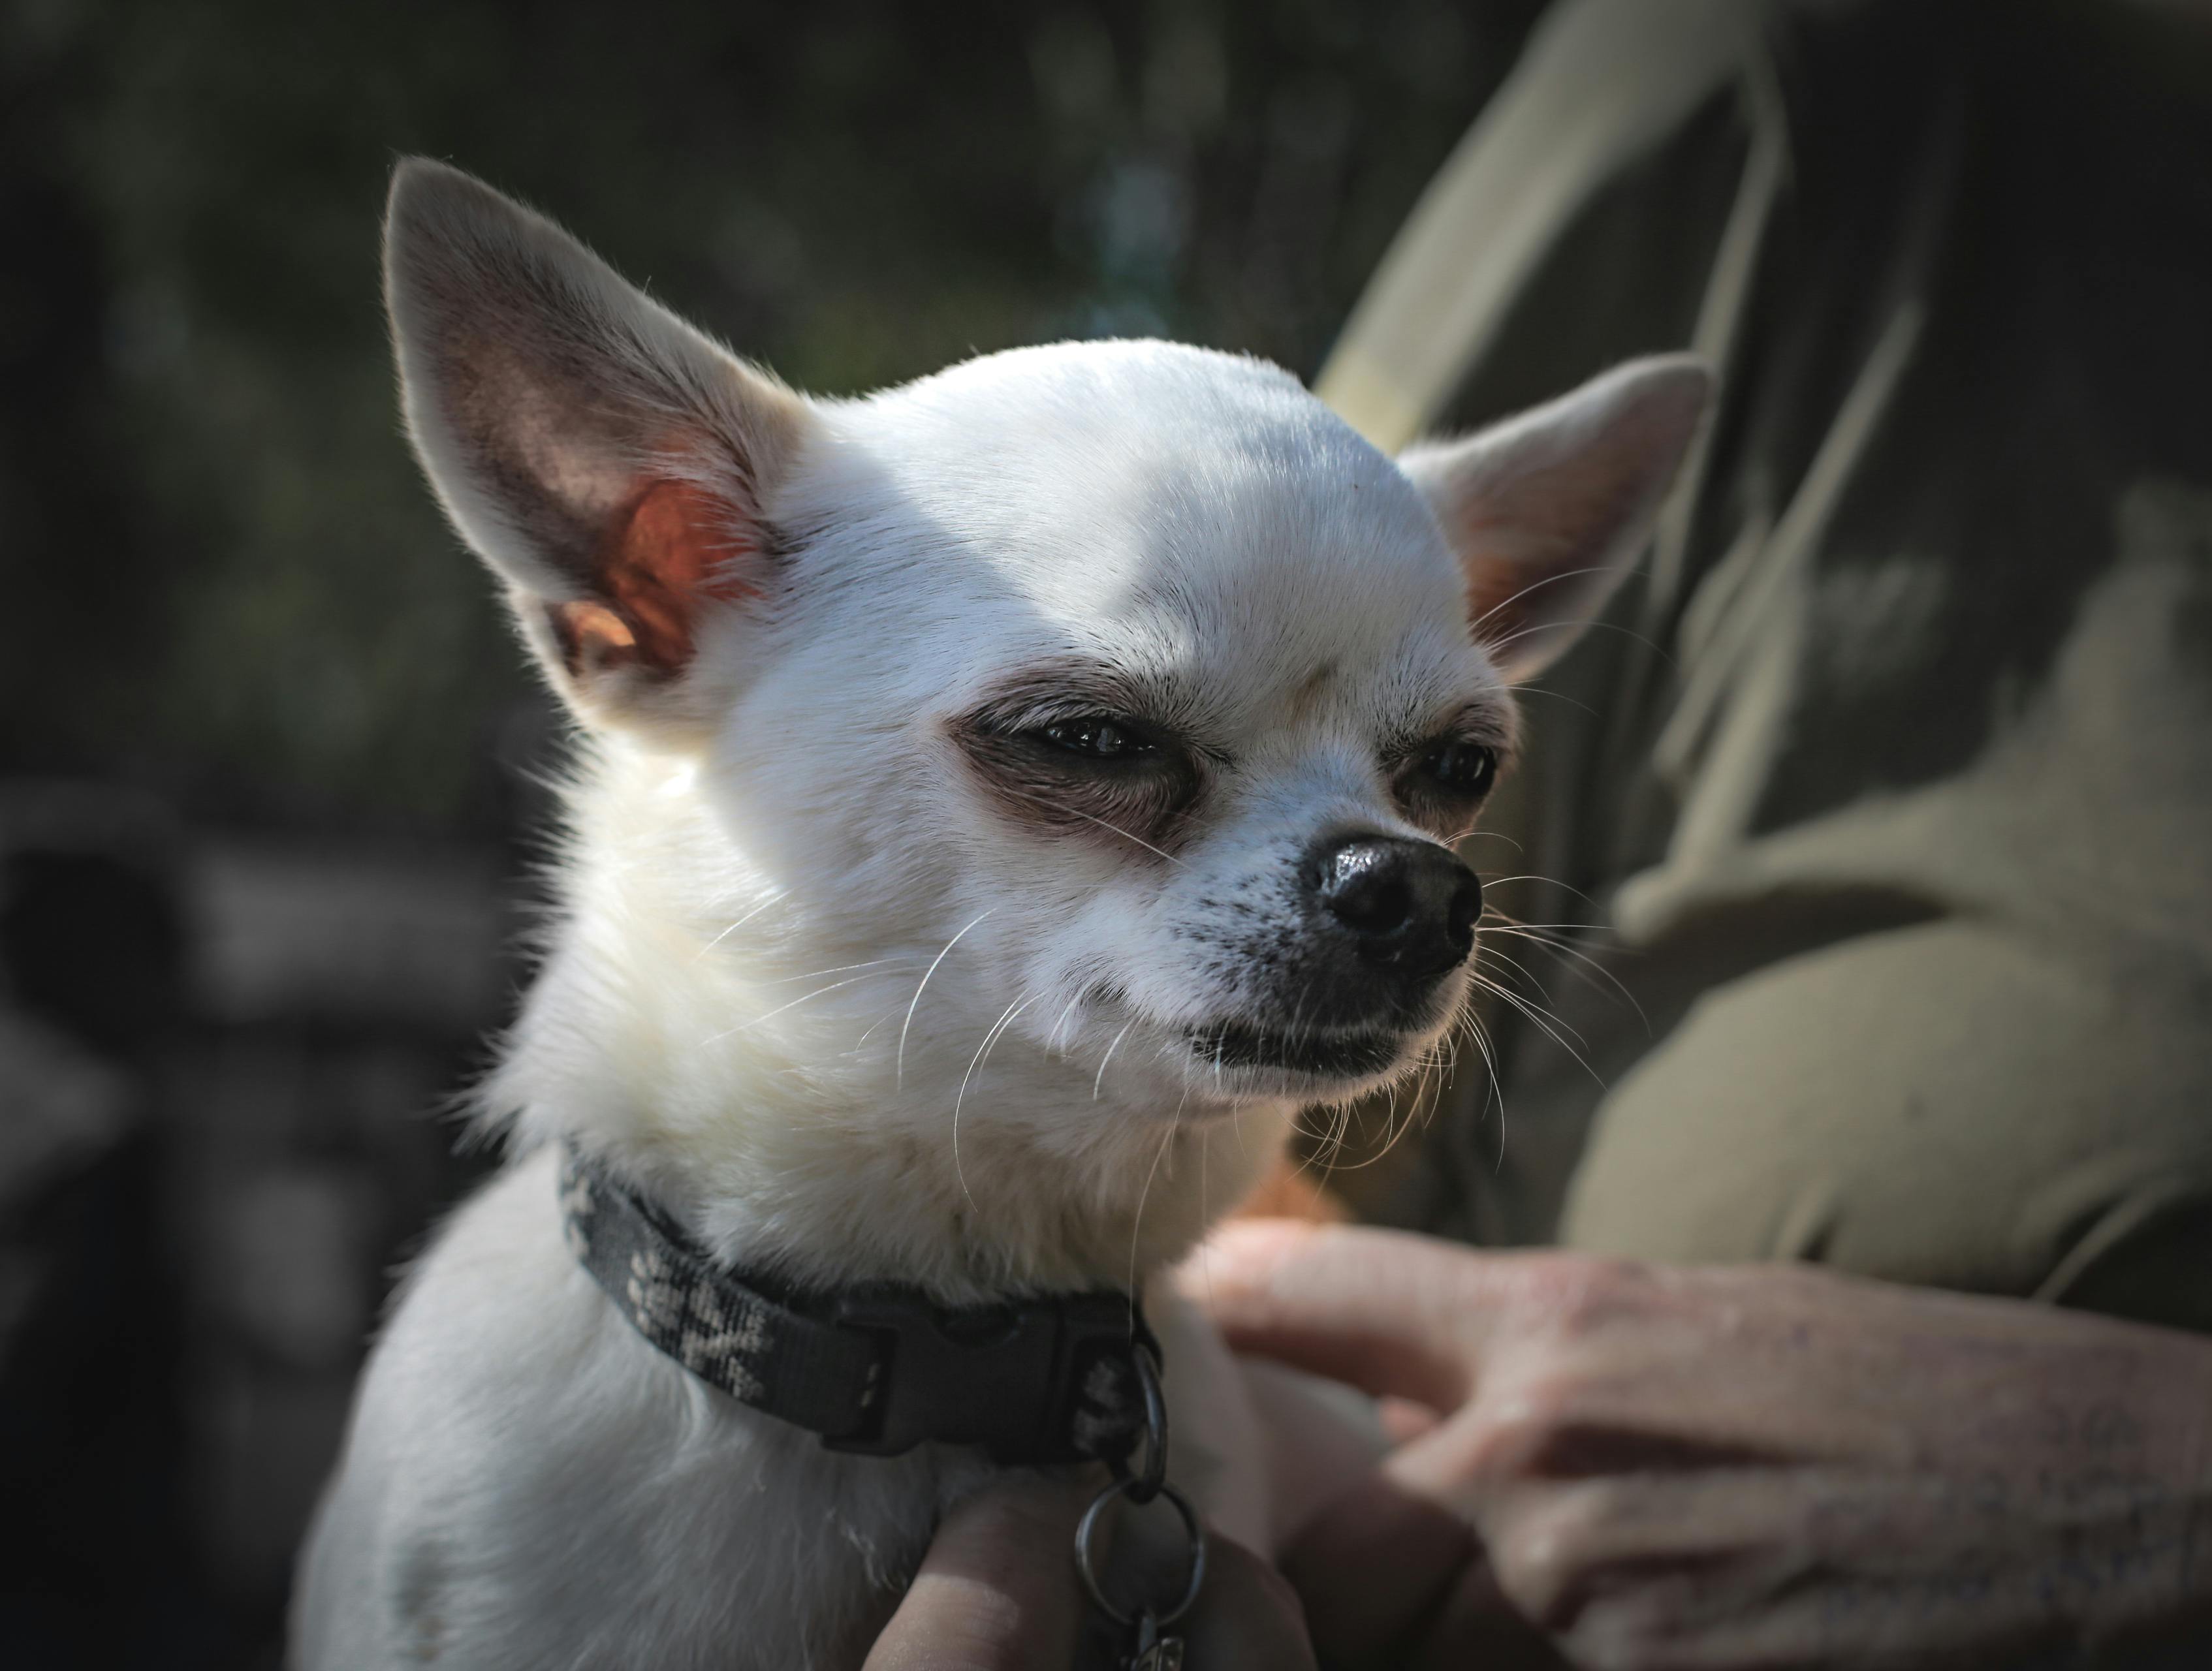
(1878, 818)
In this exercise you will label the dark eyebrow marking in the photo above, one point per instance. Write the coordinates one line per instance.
(1038, 695)
(1139, 802)
(1489, 719)
(1042, 694)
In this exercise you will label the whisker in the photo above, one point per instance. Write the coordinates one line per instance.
(1538, 585)
(1496, 1085)
(960, 1096)
(1100, 1078)
(898, 1075)
(1391, 1129)
(1340, 1128)
(1528, 688)
(1115, 829)
(1490, 953)
(1495, 644)
(1521, 972)
(726, 934)
(1205, 1216)
(878, 1022)
(1137, 1225)
(743, 1026)
(1591, 972)
(1536, 1016)
(1502, 990)
(1549, 882)
(840, 968)
(999, 1033)
(1062, 1020)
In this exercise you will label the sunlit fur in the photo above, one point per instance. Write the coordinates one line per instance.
(825, 997)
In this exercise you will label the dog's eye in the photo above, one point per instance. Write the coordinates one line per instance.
(1101, 776)
(1462, 767)
(1095, 738)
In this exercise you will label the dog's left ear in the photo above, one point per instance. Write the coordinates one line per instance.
(1548, 511)
(609, 463)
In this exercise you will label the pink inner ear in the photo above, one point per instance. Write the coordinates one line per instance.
(1532, 538)
(676, 546)
(1493, 583)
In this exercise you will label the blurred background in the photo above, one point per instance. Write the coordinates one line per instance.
(269, 764)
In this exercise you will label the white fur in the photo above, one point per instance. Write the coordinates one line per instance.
(733, 1007)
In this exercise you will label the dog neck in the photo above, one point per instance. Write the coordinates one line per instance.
(799, 1110)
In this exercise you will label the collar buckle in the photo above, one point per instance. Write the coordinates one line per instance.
(1033, 1381)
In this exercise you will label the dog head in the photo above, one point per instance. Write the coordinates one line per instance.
(1108, 705)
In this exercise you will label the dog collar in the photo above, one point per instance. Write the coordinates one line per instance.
(876, 1369)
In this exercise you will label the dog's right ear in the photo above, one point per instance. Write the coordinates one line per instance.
(610, 462)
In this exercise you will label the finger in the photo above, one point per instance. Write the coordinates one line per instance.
(1399, 1315)
(1249, 1618)
(1375, 1567)
(1404, 1421)
(997, 1591)
(1391, 1577)
(1476, 1625)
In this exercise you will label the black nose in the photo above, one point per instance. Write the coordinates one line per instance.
(1411, 906)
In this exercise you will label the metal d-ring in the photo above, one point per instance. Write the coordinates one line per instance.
(1144, 1484)
(1085, 1564)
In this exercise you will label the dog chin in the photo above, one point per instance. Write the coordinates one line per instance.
(1304, 1062)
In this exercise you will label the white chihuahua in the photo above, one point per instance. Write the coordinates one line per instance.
(1008, 798)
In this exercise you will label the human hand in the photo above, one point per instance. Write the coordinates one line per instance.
(1630, 1466)
(998, 1592)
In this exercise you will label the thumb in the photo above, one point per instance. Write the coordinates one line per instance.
(997, 1591)
(1398, 1314)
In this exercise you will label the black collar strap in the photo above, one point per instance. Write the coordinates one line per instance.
(877, 1368)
